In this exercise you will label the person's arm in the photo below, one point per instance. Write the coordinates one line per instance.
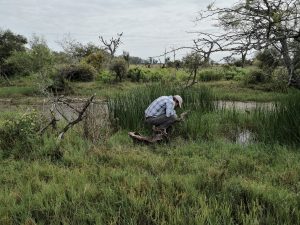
(170, 109)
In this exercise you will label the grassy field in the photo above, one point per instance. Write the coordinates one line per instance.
(195, 182)
(202, 176)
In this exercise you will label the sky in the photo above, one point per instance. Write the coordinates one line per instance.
(149, 26)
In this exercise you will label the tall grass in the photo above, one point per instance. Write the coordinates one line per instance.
(17, 91)
(184, 183)
(280, 124)
(195, 182)
(127, 109)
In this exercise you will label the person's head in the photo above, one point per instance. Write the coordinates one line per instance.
(178, 100)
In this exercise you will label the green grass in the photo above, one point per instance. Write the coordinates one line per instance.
(233, 91)
(208, 180)
(180, 183)
(200, 177)
(14, 91)
(281, 123)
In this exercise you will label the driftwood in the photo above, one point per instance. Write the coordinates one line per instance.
(137, 137)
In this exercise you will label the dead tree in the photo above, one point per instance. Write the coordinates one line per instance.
(112, 44)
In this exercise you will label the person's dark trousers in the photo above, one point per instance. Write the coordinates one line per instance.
(161, 122)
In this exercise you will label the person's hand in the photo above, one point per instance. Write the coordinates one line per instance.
(183, 115)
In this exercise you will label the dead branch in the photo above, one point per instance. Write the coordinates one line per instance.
(80, 117)
(67, 104)
(52, 123)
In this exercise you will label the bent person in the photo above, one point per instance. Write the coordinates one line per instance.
(161, 112)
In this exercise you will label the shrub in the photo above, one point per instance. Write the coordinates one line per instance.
(33, 60)
(280, 79)
(59, 86)
(97, 60)
(135, 74)
(119, 67)
(78, 72)
(18, 136)
(268, 59)
(18, 63)
(255, 76)
(105, 76)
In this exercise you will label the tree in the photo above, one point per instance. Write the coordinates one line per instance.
(78, 50)
(112, 44)
(32, 60)
(256, 25)
(10, 42)
(40, 54)
(192, 62)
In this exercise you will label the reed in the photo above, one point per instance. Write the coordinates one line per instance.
(281, 123)
(127, 109)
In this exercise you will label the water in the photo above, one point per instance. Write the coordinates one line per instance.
(244, 137)
(243, 106)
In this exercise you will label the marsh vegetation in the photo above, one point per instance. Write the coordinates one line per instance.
(235, 159)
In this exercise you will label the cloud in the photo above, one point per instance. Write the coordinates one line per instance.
(149, 26)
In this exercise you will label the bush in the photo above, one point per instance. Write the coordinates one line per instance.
(18, 63)
(280, 79)
(97, 60)
(255, 76)
(18, 136)
(59, 86)
(78, 72)
(267, 59)
(119, 67)
(105, 76)
(31, 61)
(135, 74)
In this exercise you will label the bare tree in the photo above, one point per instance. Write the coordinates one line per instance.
(255, 25)
(112, 44)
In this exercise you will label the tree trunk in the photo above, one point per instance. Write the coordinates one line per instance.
(287, 60)
(243, 59)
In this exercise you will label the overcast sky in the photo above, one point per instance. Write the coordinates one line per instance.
(149, 26)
